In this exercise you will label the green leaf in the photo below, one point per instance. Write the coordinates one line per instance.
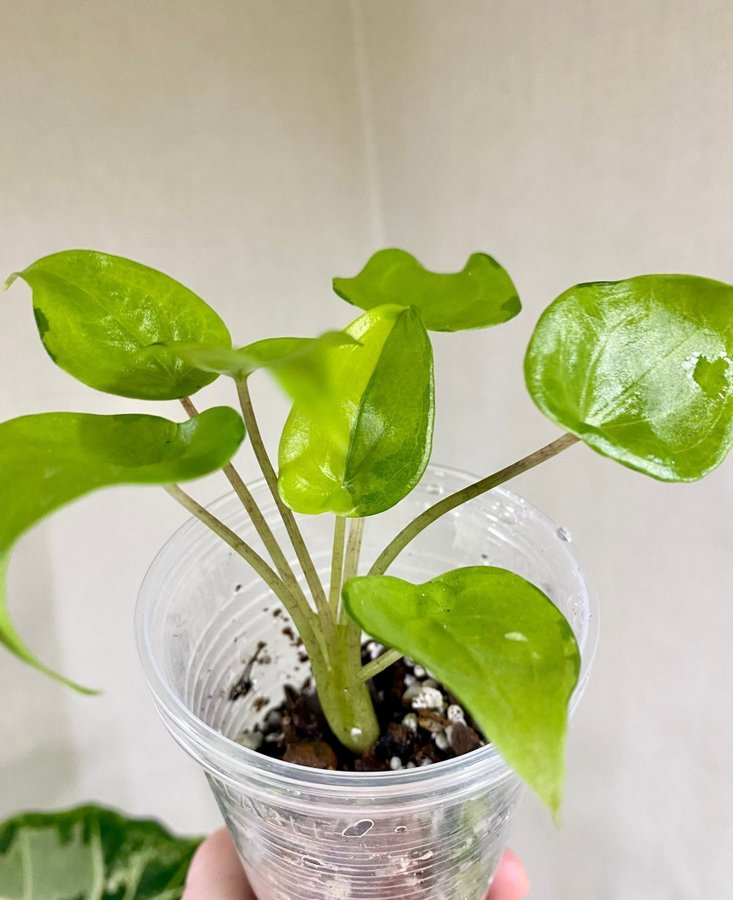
(300, 365)
(640, 370)
(377, 441)
(91, 853)
(96, 312)
(50, 459)
(277, 354)
(498, 643)
(481, 294)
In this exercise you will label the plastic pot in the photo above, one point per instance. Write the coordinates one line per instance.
(309, 834)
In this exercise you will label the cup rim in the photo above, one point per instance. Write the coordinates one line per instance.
(214, 749)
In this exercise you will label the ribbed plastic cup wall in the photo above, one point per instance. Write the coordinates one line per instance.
(434, 832)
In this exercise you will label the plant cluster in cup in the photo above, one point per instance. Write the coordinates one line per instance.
(639, 370)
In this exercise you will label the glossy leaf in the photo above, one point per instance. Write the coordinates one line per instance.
(498, 643)
(50, 459)
(378, 439)
(96, 312)
(91, 853)
(640, 370)
(481, 294)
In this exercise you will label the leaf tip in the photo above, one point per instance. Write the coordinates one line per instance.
(85, 691)
(74, 685)
(10, 279)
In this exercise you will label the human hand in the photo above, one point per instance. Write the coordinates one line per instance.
(216, 874)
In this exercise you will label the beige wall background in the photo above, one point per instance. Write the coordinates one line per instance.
(253, 150)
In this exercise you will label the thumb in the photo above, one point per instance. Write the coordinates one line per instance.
(216, 872)
(510, 881)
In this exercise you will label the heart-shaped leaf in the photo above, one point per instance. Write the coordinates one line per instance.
(96, 312)
(377, 439)
(498, 643)
(50, 459)
(641, 370)
(91, 853)
(481, 294)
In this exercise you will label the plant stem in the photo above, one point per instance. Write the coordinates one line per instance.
(301, 614)
(379, 664)
(344, 695)
(352, 631)
(337, 565)
(256, 516)
(353, 548)
(345, 698)
(351, 563)
(411, 530)
(291, 526)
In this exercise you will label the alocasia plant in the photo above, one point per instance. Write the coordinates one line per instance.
(640, 370)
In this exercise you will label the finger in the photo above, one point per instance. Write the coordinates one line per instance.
(510, 881)
(216, 872)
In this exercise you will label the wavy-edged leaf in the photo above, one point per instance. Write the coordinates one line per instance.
(96, 312)
(50, 459)
(480, 295)
(498, 643)
(91, 853)
(641, 370)
(380, 421)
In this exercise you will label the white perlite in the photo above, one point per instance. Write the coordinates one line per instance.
(427, 698)
(410, 721)
(455, 713)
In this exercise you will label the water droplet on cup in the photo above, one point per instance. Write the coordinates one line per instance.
(564, 535)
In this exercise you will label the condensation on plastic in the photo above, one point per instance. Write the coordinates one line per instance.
(306, 834)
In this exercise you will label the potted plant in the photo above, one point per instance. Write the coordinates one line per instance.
(393, 763)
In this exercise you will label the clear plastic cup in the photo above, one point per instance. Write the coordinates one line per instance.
(310, 834)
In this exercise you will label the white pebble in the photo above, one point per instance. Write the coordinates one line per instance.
(410, 765)
(455, 713)
(428, 698)
(410, 721)
(419, 672)
(273, 737)
(395, 763)
(430, 682)
(424, 762)
(441, 741)
(409, 679)
(274, 717)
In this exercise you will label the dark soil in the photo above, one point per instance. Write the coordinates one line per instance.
(421, 723)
